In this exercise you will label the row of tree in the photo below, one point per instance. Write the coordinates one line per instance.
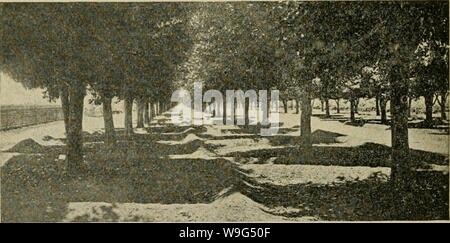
(329, 50)
(130, 51)
(333, 50)
(428, 65)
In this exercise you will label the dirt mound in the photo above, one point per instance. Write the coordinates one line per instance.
(28, 146)
(190, 129)
(190, 138)
(200, 153)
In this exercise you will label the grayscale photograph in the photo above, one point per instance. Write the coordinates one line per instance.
(241, 111)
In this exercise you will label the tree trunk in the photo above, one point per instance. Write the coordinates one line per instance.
(321, 105)
(338, 109)
(443, 105)
(110, 134)
(263, 112)
(140, 113)
(64, 96)
(400, 147)
(429, 109)
(224, 113)
(327, 108)
(352, 110)
(285, 105)
(401, 167)
(377, 105)
(409, 106)
(297, 107)
(235, 107)
(383, 103)
(147, 117)
(152, 109)
(356, 105)
(246, 113)
(305, 126)
(128, 106)
(75, 130)
(402, 178)
(213, 109)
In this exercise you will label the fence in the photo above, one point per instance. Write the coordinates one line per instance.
(21, 116)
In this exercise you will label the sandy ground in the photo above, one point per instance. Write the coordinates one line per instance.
(233, 206)
(313, 174)
(431, 140)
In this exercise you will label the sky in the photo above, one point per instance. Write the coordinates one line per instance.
(13, 93)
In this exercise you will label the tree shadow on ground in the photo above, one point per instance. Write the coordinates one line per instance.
(318, 137)
(30, 146)
(32, 189)
(142, 146)
(370, 199)
(255, 137)
(436, 123)
(168, 132)
(360, 122)
(176, 129)
(251, 129)
(36, 188)
(356, 123)
(368, 154)
(331, 117)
